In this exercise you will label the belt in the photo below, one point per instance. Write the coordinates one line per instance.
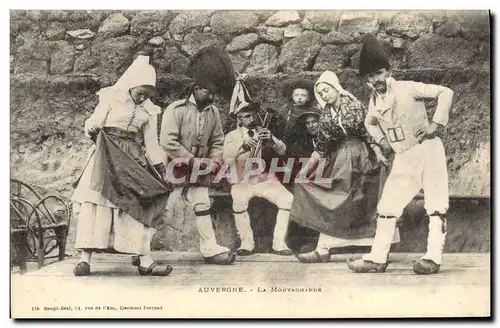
(120, 133)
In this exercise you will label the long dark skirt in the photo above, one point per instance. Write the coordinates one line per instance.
(122, 174)
(345, 206)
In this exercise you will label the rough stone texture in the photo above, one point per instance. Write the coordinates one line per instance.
(111, 56)
(151, 23)
(86, 62)
(409, 25)
(306, 24)
(101, 15)
(186, 21)
(71, 20)
(194, 42)
(335, 37)
(351, 23)
(471, 177)
(113, 26)
(331, 58)
(233, 22)
(264, 60)
(449, 28)
(397, 43)
(298, 54)
(62, 59)
(239, 60)
(283, 18)
(12, 60)
(178, 37)
(82, 34)
(18, 25)
(32, 56)
(55, 31)
(156, 41)
(270, 34)
(78, 15)
(35, 15)
(117, 54)
(56, 15)
(474, 24)
(323, 21)
(292, 31)
(263, 14)
(243, 42)
(169, 60)
(434, 52)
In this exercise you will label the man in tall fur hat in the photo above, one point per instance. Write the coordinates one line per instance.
(398, 121)
(191, 131)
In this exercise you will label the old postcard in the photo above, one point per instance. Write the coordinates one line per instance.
(250, 164)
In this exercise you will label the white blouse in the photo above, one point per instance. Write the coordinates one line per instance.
(118, 110)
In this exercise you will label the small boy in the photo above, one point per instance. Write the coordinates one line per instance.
(301, 92)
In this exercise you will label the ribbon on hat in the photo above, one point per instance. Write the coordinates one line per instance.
(240, 95)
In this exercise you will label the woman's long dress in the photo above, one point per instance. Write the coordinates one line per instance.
(344, 205)
(117, 196)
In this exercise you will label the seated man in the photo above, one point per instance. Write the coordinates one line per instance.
(238, 146)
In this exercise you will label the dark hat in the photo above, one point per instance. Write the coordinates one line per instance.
(211, 68)
(372, 57)
(301, 84)
(252, 106)
(312, 111)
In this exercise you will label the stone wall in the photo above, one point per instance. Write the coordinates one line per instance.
(59, 59)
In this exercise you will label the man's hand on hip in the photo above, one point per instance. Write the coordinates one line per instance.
(428, 132)
(385, 147)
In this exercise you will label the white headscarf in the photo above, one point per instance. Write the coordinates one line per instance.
(330, 78)
(140, 72)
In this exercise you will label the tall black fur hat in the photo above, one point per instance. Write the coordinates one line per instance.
(211, 68)
(372, 56)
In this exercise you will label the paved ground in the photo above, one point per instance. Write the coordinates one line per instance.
(262, 285)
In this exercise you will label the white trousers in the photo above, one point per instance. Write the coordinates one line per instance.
(198, 198)
(422, 166)
(274, 192)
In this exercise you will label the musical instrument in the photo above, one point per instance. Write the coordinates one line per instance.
(265, 125)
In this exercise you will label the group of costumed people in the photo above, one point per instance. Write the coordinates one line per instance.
(123, 186)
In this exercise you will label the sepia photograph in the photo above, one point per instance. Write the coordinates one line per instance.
(231, 164)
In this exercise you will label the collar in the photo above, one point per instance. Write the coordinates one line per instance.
(192, 101)
(245, 130)
(388, 81)
(384, 102)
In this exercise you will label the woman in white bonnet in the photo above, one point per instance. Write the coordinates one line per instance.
(121, 190)
(342, 207)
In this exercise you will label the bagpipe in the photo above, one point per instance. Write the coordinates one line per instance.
(240, 99)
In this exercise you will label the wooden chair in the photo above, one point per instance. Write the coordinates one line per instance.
(22, 238)
(47, 220)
